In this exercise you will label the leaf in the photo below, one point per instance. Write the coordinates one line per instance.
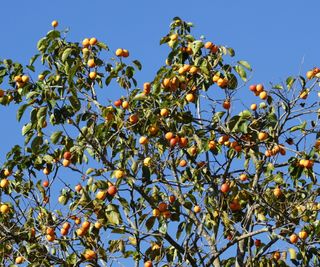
(102, 45)
(75, 102)
(293, 254)
(113, 215)
(150, 222)
(66, 54)
(36, 143)
(55, 137)
(231, 51)
(290, 81)
(302, 126)
(31, 94)
(137, 64)
(21, 110)
(163, 228)
(141, 96)
(245, 114)
(26, 128)
(245, 64)
(42, 112)
(33, 59)
(164, 40)
(196, 46)
(180, 229)
(48, 158)
(302, 81)
(42, 44)
(242, 73)
(277, 86)
(72, 259)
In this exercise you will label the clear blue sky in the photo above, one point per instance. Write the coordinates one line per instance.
(274, 36)
(279, 38)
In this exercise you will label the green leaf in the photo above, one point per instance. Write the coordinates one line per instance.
(302, 126)
(47, 158)
(242, 73)
(196, 46)
(26, 128)
(66, 54)
(33, 59)
(42, 112)
(137, 64)
(21, 110)
(150, 222)
(245, 114)
(164, 40)
(113, 215)
(55, 137)
(102, 45)
(141, 96)
(163, 227)
(42, 44)
(230, 51)
(290, 81)
(72, 259)
(245, 64)
(277, 86)
(75, 102)
(36, 143)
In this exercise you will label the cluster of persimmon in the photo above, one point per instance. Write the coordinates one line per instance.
(259, 90)
(225, 140)
(120, 103)
(84, 228)
(120, 52)
(50, 234)
(312, 73)
(303, 235)
(234, 204)
(4, 183)
(86, 43)
(275, 150)
(212, 47)
(187, 50)
(221, 81)
(306, 163)
(65, 162)
(175, 139)
(172, 84)
(184, 49)
(133, 118)
(21, 80)
(66, 158)
(65, 228)
(111, 191)
(163, 208)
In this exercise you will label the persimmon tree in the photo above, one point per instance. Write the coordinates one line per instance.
(184, 170)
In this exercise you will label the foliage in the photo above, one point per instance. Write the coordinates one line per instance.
(178, 172)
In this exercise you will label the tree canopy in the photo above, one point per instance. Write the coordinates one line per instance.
(182, 170)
